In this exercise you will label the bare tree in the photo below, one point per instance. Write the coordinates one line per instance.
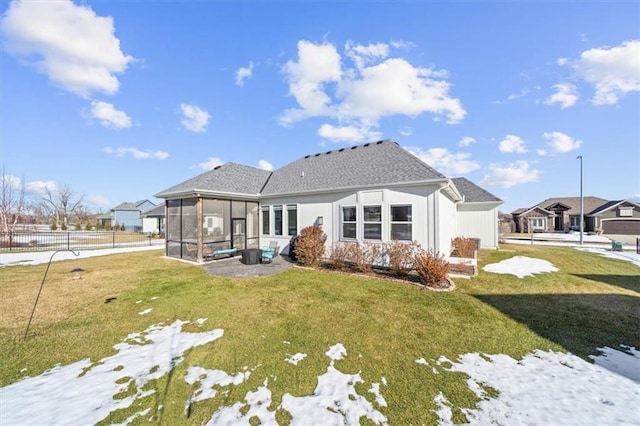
(60, 203)
(12, 201)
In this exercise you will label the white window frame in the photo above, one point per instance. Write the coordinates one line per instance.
(370, 222)
(266, 209)
(276, 209)
(292, 207)
(408, 222)
(342, 222)
(626, 211)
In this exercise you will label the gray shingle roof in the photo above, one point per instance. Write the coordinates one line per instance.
(590, 204)
(473, 193)
(376, 163)
(154, 211)
(227, 178)
(126, 206)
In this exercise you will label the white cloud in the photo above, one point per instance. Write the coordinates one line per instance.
(316, 65)
(512, 174)
(76, 49)
(99, 200)
(541, 152)
(194, 118)
(109, 116)
(362, 55)
(565, 95)
(39, 187)
(348, 133)
(211, 163)
(375, 86)
(136, 153)
(265, 165)
(511, 144)
(448, 163)
(243, 73)
(406, 131)
(613, 72)
(562, 61)
(13, 182)
(466, 141)
(562, 143)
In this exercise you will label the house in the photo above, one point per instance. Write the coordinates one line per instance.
(376, 192)
(563, 214)
(128, 214)
(153, 220)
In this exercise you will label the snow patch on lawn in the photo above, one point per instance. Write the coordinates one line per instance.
(83, 392)
(521, 266)
(619, 255)
(549, 388)
(296, 358)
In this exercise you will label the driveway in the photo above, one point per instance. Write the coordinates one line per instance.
(625, 239)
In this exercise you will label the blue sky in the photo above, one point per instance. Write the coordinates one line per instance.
(120, 100)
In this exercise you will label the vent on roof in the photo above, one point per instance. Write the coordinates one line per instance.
(366, 144)
(354, 147)
(317, 155)
(217, 167)
(307, 156)
(328, 152)
(379, 142)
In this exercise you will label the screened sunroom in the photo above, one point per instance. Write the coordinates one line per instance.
(202, 228)
(215, 214)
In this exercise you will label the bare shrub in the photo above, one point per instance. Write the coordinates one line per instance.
(365, 255)
(401, 255)
(310, 245)
(432, 269)
(463, 247)
(338, 257)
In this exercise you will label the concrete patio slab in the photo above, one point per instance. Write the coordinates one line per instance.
(233, 267)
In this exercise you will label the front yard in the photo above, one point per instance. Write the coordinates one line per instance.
(276, 348)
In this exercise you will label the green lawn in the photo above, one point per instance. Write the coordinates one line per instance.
(385, 326)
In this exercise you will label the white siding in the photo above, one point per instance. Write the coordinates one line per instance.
(446, 229)
(328, 206)
(479, 220)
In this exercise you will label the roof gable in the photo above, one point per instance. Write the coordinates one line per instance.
(472, 193)
(229, 178)
(613, 204)
(590, 203)
(378, 163)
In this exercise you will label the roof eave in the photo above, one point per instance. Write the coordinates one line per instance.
(205, 192)
(355, 188)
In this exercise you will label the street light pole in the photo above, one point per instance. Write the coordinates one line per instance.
(581, 203)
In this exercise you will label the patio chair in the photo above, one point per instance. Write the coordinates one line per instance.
(269, 253)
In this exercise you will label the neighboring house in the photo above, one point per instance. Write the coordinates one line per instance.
(128, 214)
(153, 220)
(563, 214)
(376, 192)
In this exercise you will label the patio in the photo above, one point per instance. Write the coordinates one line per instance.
(233, 267)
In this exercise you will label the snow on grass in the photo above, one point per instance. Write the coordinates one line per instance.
(86, 392)
(145, 312)
(541, 388)
(619, 255)
(207, 379)
(548, 388)
(296, 358)
(37, 258)
(521, 266)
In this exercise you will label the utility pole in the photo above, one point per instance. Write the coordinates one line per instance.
(581, 203)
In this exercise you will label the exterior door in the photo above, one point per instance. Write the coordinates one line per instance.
(239, 231)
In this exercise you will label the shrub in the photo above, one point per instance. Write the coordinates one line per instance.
(432, 269)
(122, 227)
(88, 226)
(363, 255)
(78, 226)
(401, 254)
(115, 226)
(338, 256)
(107, 226)
(64, 226)
(54, 225)
(309, 246)
(463, 247)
